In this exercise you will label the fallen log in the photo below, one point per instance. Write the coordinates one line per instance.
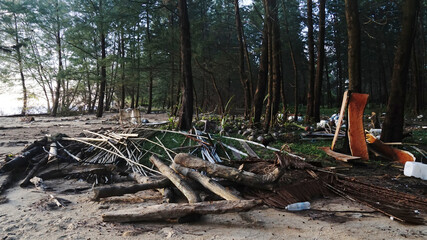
(180, 183)
(175, 210)
(207, 182)
(76, 169)
(230, 173)
(21, 161)
(103, 192)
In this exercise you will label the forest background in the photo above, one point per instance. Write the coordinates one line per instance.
(263, 57)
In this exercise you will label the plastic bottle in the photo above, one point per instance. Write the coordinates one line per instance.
(415, 169)
(299, 206)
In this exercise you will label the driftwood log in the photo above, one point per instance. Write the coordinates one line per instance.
(207, 182)
(21, 161)
(175, 210)
(103, 192)
(77, 169)
(180, 183)
(230, 173)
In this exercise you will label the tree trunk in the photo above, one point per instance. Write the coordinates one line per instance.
(393, 122)
(310, 43)
(103, 84)
(354, 58)
(339, 71)
(60, 68)
(21, 68)
(186, 112)
(122, 67)
(328, 85)
(320, 61)
(262, 79)
(294, 64)
(150, 67)
(242, 73)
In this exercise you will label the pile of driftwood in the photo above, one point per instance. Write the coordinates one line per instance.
(193, 185)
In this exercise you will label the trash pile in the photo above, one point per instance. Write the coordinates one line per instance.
(197, 173)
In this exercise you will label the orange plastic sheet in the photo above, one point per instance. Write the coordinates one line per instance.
(389, 152)
(356, 132)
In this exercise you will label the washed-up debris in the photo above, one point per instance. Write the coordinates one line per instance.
(393, 154)
(216, 184)
(339, 156)
(356, 132)
(415, 169)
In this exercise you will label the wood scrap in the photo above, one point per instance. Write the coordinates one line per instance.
(103, 192)
(180, 183)
(356, 132)
(249, 150)
(55, 200)
(340, 119)
(207, 182)
(230, 173)
(175, 210)
(338, 156)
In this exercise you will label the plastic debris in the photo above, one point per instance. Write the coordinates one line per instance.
(299, 206)
(415, 169)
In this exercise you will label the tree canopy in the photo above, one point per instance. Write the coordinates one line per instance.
(266, 56)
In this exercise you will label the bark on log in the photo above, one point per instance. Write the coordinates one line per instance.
(207, 182)
(103, 192)
(78, 169)
(175, 210)
(230, 173)
(182, 185)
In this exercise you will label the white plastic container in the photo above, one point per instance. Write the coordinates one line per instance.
(415, 169)
(299, 206)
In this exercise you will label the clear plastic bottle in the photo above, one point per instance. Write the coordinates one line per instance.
(299, 206)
